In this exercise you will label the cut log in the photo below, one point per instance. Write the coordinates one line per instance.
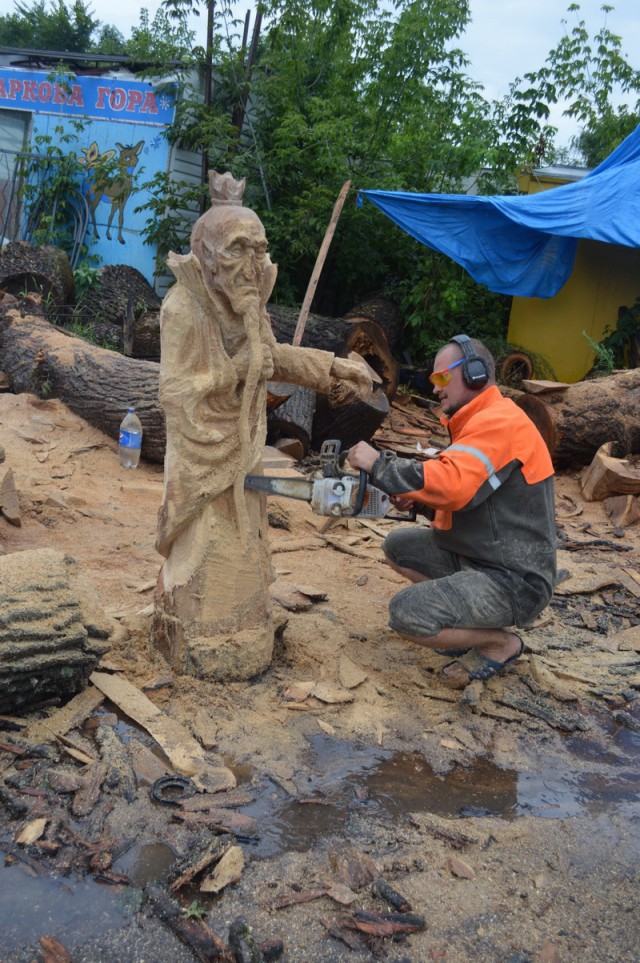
(342, 336)
(349, 419)
(46, 270)
(576, 421)
(115, 288)
(52, 632)
(607, 476)
(369, 341)
(385, 313)
(515, 367)
(96, 384)
(329, 334)
(292, 418)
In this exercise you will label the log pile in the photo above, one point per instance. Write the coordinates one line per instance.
(412, 426)
(575, 420)
(96, 384)
(46, 270)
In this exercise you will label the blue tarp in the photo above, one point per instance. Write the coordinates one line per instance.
(526, 245)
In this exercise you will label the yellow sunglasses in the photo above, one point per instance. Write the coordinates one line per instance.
(442, 377)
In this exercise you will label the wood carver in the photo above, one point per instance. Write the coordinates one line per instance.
(212, 607)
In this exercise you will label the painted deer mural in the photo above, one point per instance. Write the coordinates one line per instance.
(117, 187)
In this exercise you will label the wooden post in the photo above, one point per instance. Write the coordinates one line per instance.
(322, 253)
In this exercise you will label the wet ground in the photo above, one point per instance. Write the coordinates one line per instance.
(347, 790)
(547, 807)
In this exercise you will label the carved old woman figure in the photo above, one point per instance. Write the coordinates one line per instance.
(212, 607)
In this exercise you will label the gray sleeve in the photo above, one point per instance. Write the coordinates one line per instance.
(397, 476)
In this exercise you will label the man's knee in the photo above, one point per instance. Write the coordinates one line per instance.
(408, 616)
(390, 546)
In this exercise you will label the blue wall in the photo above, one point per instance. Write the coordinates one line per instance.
(122, 121)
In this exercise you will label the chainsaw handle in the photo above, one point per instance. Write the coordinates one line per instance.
(362, 487)
(362, 492)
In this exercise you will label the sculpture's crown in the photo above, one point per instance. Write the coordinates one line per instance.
(224, 189)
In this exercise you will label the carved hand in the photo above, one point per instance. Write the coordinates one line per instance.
(353, 371)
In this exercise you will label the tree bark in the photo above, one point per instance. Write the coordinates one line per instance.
(96, 384)
(351, 421)
(51, 634)
(369, 340)
(293, 418)
(115, 287)
(385, 313)
(576, 421)
(45, 269)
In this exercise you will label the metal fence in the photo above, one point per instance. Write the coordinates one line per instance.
(32, 208)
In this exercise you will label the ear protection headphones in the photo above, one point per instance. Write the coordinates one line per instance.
(474, 369)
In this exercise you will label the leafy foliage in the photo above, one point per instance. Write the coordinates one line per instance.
(587, 73)
(49, 26)
(620, 346)
(355, 90)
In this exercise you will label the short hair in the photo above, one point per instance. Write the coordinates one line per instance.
(481, 351)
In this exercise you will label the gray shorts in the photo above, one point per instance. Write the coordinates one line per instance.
(457, 595)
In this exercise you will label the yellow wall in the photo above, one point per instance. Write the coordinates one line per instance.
(604, 277)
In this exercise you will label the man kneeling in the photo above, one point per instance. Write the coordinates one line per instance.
(488, 563)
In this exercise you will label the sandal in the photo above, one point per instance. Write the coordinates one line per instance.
(478, 666)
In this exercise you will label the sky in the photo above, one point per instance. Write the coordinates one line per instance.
(505, 39)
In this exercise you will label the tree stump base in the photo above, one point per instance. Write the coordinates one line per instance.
(53, 631)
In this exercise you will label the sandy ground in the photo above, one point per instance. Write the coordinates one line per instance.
(548, 805)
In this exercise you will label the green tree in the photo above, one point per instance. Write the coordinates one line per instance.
(351, 90)
(592, 78)
(109, 41)
(49, 26)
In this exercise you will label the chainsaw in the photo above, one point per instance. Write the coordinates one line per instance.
(336, 493)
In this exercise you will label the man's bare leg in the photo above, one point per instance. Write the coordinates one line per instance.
(497, 644)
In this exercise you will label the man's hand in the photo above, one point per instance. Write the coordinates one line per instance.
(353, 371)
(363, 455)
(402, 503)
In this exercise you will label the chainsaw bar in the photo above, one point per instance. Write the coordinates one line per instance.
(287, 487)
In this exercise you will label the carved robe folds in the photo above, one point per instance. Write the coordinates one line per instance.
(212, 617)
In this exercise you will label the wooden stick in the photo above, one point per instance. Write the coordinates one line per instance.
(322, 253)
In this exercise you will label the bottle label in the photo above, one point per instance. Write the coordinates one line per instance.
(130, 439)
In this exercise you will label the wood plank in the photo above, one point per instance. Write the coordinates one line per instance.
(68, 717)
(183, 751)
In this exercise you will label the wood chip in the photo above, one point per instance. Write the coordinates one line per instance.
(326, 727)
(460, 869)
(32, 831)
(289, 597)
(9, 504)
(299, 691)
(350, 674)
(628, 579)
(184, 752)
(295, 545)
(341, 894)
(53, 951)
(315, 594)
(549, 683)
(331, 694)
(69, 717)
(628, 640)
(342, 547)
(229, 870)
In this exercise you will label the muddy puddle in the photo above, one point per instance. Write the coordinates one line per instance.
(346, 785)
(340, 789)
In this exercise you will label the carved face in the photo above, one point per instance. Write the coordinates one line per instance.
(235, 261)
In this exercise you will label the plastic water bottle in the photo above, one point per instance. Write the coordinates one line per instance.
(130, 440)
